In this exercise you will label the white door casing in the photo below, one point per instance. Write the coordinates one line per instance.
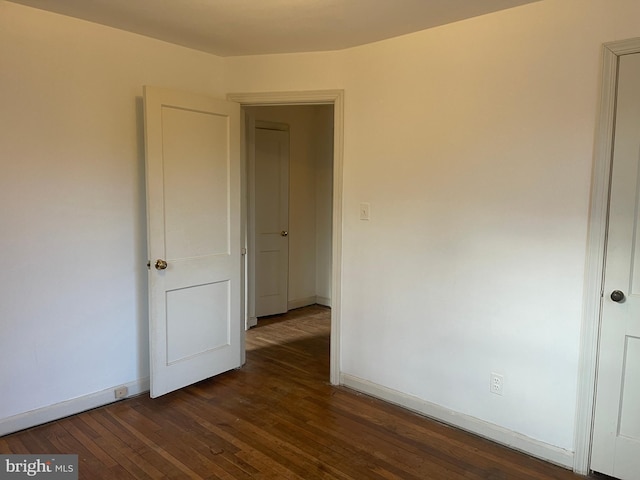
(249, 155)
(193, 212)
(616, 431)
(320, 97)
(270, 225)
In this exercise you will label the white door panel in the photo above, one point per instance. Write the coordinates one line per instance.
(193, 208)
(616, 435)
(196, 183)
(271, 225)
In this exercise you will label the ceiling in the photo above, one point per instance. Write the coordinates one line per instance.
(254, 27)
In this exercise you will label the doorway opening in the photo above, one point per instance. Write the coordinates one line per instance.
(289, 192)
(314, 231)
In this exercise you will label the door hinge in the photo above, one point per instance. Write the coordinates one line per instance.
(243, 251)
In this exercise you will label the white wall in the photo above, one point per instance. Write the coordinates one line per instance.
(311, 155)
(473, 143)
(73, 312)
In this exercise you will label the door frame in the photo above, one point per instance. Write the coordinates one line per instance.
(596, 251)
(314, 97)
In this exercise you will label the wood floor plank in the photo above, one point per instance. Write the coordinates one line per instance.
(16, 445)
(129, 452)
(79, 430)
(275, 418)
(260, 430)
(182, 438)
(220, 452)
(411, 453)
(263, 458)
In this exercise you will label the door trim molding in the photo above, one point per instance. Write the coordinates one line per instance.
(319, 97)
(596, 249)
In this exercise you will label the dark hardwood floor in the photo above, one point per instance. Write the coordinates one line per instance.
(277, 417)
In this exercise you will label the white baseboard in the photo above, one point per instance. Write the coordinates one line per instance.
(305, 302)
(474, 425)
(301, 302)
(324, 301)
(69, 407)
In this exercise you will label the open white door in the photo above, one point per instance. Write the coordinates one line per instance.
(193, 211)
(616, 431)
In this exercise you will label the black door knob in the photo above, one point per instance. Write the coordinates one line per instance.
(617, 296)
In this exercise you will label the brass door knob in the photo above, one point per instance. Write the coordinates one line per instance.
(161, 264)
(284, 233)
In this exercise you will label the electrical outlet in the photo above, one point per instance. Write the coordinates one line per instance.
(497, 382)
(121, 392)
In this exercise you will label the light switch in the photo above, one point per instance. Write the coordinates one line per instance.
(364, 211)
